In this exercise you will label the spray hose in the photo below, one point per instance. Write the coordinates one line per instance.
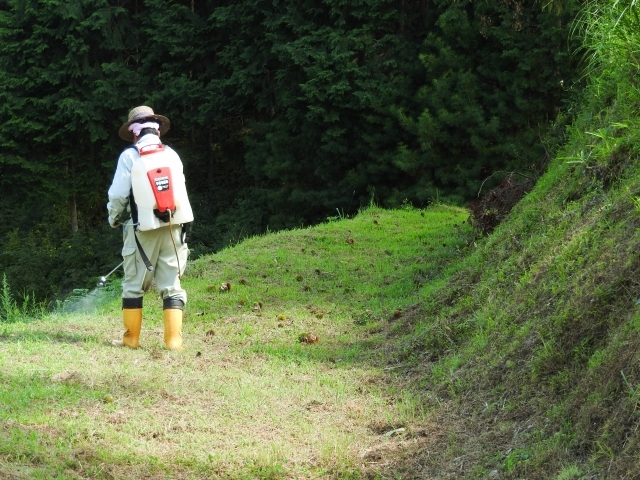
(173, 240)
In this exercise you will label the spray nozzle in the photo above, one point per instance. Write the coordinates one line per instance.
(103, 280)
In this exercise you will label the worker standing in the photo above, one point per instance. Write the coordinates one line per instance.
(149, 184)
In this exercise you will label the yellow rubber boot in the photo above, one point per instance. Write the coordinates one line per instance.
(132, 318)
(173, 328)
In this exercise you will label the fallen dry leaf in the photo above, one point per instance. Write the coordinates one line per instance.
(308, 338)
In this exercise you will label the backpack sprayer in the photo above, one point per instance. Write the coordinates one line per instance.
(160, 194)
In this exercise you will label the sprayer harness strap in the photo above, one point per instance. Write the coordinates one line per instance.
(143, 255)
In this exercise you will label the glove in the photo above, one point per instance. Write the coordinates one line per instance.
(115, 222)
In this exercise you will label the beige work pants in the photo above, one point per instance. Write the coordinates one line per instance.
(160, 251)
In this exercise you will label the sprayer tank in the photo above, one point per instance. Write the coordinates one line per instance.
(161, 158)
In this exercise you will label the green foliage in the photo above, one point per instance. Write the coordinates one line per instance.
(321, 125)
(609, 31)
(546, 308)
(473, 108)
(49, 267)
(11, 311)
(62, 69)
(64, 85)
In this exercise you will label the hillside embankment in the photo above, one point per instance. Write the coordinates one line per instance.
(528, 355)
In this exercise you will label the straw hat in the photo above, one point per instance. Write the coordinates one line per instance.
(142, 113)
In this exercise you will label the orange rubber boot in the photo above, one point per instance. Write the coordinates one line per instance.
(132, 318)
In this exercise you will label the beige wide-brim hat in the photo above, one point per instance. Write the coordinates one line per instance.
(143, 113)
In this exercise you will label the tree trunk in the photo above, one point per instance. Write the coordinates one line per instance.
(73, 207)
(73, 213)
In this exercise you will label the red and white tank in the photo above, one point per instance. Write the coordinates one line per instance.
(158, 184)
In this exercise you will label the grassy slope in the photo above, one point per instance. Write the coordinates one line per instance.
(531, 350)
(246, 398)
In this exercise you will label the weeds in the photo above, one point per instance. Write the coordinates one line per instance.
(634, 392)
(11, 311)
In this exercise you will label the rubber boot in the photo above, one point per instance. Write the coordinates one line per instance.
(132, 319)
(173, 328)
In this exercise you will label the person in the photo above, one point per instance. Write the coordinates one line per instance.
(154, 241)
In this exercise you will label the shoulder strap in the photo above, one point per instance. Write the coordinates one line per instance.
(132, 201)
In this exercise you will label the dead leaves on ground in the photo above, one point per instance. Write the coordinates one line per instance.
(308, 338)
(223, 287)
(316, 312)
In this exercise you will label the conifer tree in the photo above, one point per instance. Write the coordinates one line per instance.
(64, 84)
(492, 84)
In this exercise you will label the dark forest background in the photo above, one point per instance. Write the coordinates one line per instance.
(283, 112)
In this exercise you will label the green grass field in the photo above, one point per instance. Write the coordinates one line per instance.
(286, 371)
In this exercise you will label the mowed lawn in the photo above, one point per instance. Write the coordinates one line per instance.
(285, 371)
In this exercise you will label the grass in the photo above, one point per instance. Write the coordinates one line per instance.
(393, 345)
(246, 398)
(438, 354)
